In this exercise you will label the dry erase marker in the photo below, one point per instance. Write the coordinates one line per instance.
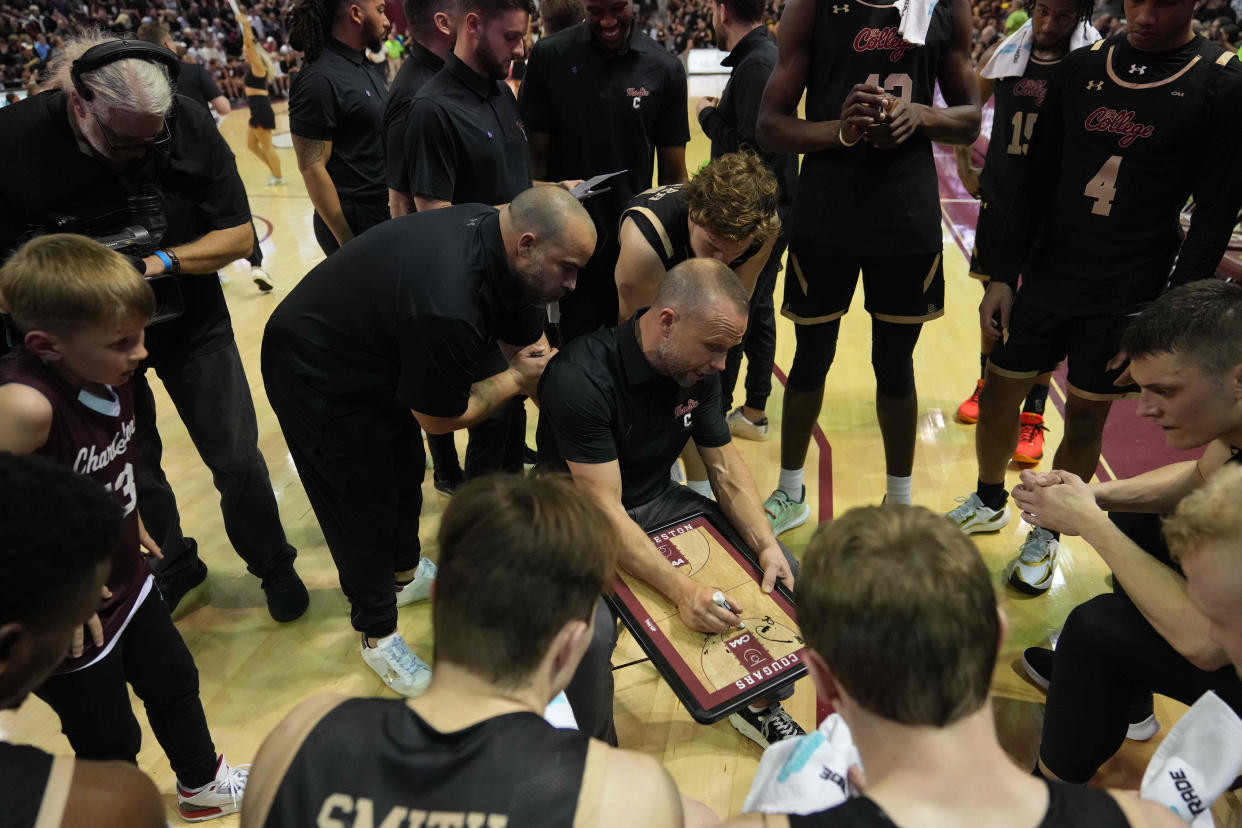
(719, 600)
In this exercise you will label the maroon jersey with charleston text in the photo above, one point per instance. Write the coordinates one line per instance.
(94, 437)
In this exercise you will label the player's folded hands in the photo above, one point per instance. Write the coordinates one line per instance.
(1056, 500)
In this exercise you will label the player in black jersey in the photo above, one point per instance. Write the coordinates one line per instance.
(902, 631)
(1019, 93)
(867, 198)
(474, 749)
(1132, 127)
(44, 599)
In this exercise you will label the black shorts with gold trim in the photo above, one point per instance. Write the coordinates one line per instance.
(819, 285)
(1039, 337)
(989, 230)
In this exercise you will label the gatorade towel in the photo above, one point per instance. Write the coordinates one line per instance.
(1196, 762)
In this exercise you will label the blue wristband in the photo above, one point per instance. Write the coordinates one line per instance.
(163, 257)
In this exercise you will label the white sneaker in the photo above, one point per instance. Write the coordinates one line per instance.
(273, 181)
(418, 589)
(262, 279)
(785, 513)
(1036, 563)
(973, 518)
(394, 662)
(223, 796)
(741, 427)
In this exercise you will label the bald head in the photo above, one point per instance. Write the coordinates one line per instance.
(549, 237)
(697, 286)
(548, 212)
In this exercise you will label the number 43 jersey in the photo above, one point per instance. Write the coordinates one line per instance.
(863, 199)
(1125, 138)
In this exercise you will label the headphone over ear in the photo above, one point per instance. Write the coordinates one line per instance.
(99, 56)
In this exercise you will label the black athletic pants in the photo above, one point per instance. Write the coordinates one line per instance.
(1107, 658)
(591, 689)
(97, 717)
(759, 341)
(359, 215)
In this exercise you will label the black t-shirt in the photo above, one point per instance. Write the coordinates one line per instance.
(196, 84)
(1016, 106)
(49, 180)
(605, 402)
(864, 199)
(465, 139)
(604, 112)
(421, 64)
(406, 315)
(1124, 139)
(340, 97)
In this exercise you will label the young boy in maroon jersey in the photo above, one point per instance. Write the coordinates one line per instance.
(81, 310)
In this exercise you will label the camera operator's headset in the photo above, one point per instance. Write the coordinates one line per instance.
(99, 56)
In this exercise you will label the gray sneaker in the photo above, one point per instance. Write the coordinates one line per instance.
(394, 662)
(1036, 563)
(972, 517)
(785, 513)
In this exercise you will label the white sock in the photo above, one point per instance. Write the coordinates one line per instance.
(702, 487)
(898, 489)
(790, 483)
(675, 473)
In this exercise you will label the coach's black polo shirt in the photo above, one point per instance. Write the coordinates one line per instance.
(48, 178)
(420, 66)
(407, 314)
(196, 84)
(340, 97)
(605, 112)
(465, 139)
(606, 402)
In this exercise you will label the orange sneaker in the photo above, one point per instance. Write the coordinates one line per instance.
(968, 412)
(1030, 439)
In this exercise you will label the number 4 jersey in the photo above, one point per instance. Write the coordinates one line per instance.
(1124, 139)
(93, 436)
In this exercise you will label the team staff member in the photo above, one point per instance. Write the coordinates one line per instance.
(635, 92)
(433, 31)
(475, 745)
(83, 149)
(1132, 127)
(336, 107)
(623, 402)
(867, 200)
(730, 124)
(193, 81)
(367, 337)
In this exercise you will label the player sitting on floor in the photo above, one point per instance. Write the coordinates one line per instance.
(902, 632)
(44, 600)
(474, 749)
(623, 402)
(65, 394)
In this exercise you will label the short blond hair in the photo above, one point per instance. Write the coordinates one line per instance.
(1207, 515)
(62, 282)
(734, 197)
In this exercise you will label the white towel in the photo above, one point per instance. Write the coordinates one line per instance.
(1196, 762)
(559, 714)
(915, 18)
(805, 774)
(1010, 58)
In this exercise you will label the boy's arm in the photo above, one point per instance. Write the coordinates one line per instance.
(111, 795)
(25, 418)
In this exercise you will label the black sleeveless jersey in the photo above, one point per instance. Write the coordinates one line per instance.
(864, 199)
(514, 770)
(1069, 806)
(662, 215)
(1016, 103)
(1123, 143)
(28, 773)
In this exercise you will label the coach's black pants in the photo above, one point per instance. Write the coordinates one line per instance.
(359, 215)
(1107, 658)
(97, 717)
(759, 341)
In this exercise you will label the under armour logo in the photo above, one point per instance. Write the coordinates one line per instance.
(1137, 70)
(1095, 86)
(843, 8)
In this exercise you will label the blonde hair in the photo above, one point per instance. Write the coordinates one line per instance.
(734, 197)
(1207, 515)
(62, 282)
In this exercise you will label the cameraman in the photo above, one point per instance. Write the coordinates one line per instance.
(78, 158)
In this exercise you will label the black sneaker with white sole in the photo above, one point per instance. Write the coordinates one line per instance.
(763, 727)
(1037, 661)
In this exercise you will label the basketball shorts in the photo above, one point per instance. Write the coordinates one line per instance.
(1039, 337)
(989, 230)
(819, 285)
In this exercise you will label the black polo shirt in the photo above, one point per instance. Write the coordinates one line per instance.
(48, 179)
(421, 64)
(605, 112)
(605, 402)
(408, 314)
(196, 84)
(340, 97)
(466, 139)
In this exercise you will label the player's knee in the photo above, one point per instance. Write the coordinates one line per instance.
(892, 360)
(816, 348)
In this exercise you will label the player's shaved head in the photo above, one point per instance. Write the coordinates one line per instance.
(697, 286)
(548, 212)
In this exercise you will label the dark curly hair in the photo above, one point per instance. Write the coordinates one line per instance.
(310, 23)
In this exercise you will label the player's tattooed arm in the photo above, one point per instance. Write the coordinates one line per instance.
(779, 128)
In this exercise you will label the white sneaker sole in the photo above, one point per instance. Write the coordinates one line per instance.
(987, 527)
(748, 730)
(803, 517)
(1144, 730)
(1024, 581)
(1034, 674)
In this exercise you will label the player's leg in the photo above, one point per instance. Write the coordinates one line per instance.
(590, 691)
(1092, 390)
(268, 153)
(413, 574)
(968, 411)
(750, 421)
(258, 275)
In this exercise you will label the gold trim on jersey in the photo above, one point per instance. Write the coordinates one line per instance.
(875, 5)
(931, 274)
(1091, 395)
(810, 320)
(1108, 67)
(993, 368)
(797, 269)
(56, 793)
(657, 224)
(1224, 58)
(1041, 62)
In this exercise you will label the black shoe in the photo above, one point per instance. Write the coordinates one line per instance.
(287, 597)
(1037, 661)
(447, 486)
(173, 588)
(765, 726)
(530, 457)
